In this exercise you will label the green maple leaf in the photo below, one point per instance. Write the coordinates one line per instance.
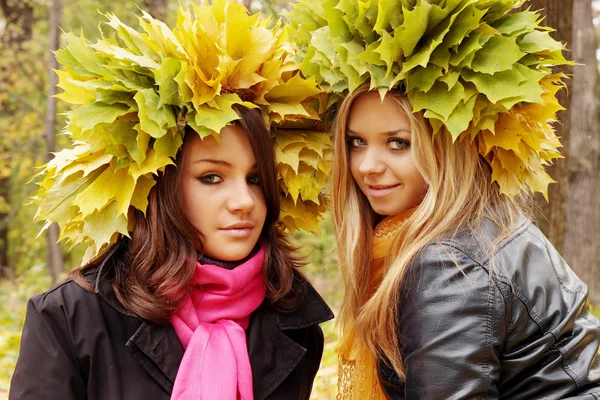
(154, 118)
(86, 117)
(536, 42)
(461, 117)
(168, 87)
(467, 47)
(80, 56)
(209, 120)
(423, 79)
(169, 144)
(516, 23)
(414, 27)
(439, 99)
(487, 61)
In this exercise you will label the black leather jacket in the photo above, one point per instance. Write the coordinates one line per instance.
(79, 345)
(512, 326)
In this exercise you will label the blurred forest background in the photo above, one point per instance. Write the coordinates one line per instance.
(31, 121)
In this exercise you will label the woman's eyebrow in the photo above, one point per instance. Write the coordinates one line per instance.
(219, 162)
(213, 161)
(388, 133)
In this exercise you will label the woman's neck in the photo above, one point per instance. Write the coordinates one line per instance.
(228, 264)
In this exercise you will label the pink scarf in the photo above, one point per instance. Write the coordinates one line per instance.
(210, 325)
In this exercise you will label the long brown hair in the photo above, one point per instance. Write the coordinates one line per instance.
(460, 195)
(151, 273)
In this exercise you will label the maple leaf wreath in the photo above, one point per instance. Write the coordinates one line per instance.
(132, 94)
(478, 70)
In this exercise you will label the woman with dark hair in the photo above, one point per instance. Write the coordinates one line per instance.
(192, 291)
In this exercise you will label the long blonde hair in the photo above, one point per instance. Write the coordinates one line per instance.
(460, 195)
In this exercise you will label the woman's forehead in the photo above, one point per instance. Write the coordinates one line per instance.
(230, 149)
(369, 114)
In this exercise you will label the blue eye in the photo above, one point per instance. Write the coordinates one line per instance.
(254, 180)
(210, 179)
(398, 144)
(355, 141)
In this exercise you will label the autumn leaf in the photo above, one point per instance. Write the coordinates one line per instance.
(476, 69)
(300, 216)
(486, 59)
(304, 160)
(135, 90)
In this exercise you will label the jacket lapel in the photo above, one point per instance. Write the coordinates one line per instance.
(158, 350)
(274, 355)
(155, 347)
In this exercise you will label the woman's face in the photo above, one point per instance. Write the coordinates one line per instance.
(378, 136)
(221, 191)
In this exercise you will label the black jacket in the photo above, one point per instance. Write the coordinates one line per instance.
(81, 345)
(515, 326)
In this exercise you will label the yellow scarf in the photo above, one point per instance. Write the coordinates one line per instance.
(357, 371)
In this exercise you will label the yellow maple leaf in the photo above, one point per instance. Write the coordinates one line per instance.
(507, 134)
(310, 157)
(151, 165)
(510, 161)
(509, 183)
(74, 93)
(112, 185)
(304, 184)
(139, 198)
(104, 226)
(300, 215)
(539, 182)
(86, 164)
(290, 156)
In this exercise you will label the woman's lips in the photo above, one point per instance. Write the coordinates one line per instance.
(381, 190)
(238, 232)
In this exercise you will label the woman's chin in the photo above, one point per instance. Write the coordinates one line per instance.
(230, 252)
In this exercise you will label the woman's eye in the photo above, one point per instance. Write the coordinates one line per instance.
(398, 144)
(254, 180)
(210, 179)
(355, 141)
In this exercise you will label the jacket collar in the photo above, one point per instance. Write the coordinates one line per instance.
(273, 355)
(312, 310)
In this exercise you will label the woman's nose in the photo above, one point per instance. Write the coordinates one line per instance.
(371, 162)
(241, 199)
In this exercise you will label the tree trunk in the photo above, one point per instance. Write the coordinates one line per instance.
(581, 247)
(157, 8)
(551, 216)
(19, 18)
(54, 259)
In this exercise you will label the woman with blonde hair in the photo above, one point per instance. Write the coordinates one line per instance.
(444, 128)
